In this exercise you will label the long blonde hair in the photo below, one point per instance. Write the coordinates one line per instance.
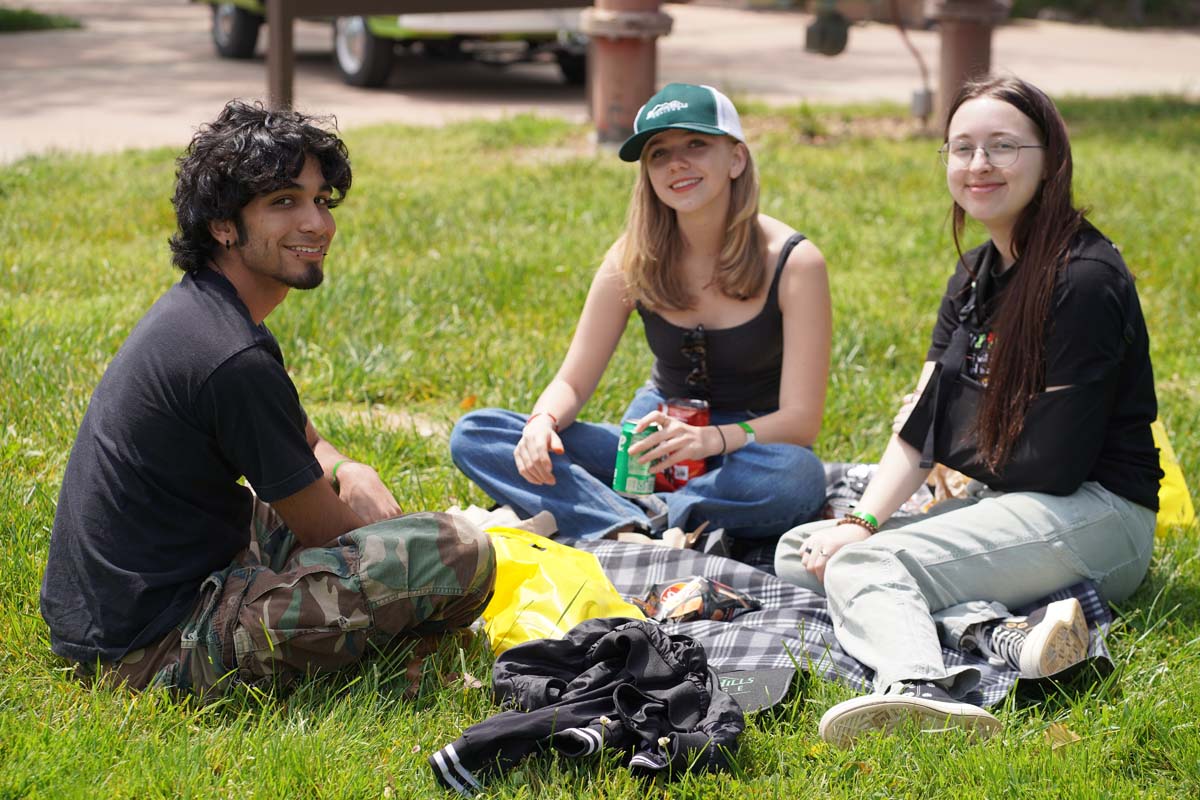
(651, 245)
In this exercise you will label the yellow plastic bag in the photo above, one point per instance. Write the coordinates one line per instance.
(1174, 502)
(543, 589)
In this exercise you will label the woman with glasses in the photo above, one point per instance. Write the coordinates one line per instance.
(736, 311)
(1038, 386)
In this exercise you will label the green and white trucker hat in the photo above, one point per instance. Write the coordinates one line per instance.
(686, 106)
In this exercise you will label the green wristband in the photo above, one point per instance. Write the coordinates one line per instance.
(863, 515)
(333, 473)
(749, 431)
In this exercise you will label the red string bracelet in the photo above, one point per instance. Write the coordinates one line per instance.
(553, 419)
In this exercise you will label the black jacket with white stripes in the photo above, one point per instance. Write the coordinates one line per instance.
(615, 683)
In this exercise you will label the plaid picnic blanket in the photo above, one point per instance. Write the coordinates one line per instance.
(793, 628)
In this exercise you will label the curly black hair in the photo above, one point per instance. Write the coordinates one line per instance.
(247, 151)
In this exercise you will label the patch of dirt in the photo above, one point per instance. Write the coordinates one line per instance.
(830, 128)
(383, 417)
(577, 147)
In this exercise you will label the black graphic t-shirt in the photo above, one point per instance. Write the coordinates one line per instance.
(979, 349)
(979, 352)
(1097, 362)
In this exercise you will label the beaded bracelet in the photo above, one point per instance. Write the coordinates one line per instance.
(859, 520)
(532, 417)
(871, 518)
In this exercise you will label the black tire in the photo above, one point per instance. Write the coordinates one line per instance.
(362, 58)
(573, 67)
(234, 31)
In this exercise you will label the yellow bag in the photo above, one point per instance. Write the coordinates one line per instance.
(543, 589)
(1174, 502)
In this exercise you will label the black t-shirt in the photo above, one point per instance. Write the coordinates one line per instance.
(1096, 343)
(195, 399)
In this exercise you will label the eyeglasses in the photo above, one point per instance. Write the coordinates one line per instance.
(695, 349)
(998, 153)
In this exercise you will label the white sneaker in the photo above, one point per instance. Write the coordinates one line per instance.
(1046, 642)
(926, 705)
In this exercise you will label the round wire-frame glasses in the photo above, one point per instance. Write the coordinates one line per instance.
(998, 153)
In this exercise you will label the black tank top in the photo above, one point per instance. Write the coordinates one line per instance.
(744, 362)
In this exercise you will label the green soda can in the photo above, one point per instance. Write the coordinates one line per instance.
(630, 477)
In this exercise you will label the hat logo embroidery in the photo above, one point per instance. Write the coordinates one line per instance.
(664, 108)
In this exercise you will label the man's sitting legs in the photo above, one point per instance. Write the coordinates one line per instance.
(279, 613)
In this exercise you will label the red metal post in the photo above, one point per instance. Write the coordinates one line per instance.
(623, 67)
(280, 53)
(966, 51)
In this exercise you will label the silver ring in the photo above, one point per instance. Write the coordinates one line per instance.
(822, 553)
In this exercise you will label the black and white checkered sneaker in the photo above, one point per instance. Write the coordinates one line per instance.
(926, 705)
(1045, 642)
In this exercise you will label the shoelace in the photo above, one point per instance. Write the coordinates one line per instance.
(1006, 643)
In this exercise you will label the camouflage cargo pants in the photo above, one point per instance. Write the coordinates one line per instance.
(278, 612)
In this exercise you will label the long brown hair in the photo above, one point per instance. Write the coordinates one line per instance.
(1041, 242)
(651, 245)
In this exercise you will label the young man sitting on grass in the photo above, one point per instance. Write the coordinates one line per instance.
(163, 569)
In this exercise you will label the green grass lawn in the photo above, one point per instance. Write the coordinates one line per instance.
(462, 260)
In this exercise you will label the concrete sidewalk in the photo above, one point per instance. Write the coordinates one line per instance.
(143, 72)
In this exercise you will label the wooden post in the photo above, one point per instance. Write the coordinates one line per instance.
(623, 67)
(966, 44)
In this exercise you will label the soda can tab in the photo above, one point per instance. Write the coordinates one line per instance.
(689, 410)
(629, 476)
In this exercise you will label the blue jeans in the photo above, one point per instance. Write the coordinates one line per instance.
(756, 492)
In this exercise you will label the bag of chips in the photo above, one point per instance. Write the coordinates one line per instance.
(694, 598)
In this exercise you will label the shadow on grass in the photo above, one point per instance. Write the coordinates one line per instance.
(1096, 677)
(418, 673)
(1170, 594)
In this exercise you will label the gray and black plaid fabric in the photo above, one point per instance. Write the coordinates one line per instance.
(793, 627)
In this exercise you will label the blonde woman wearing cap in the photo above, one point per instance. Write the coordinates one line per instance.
(736, 311)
